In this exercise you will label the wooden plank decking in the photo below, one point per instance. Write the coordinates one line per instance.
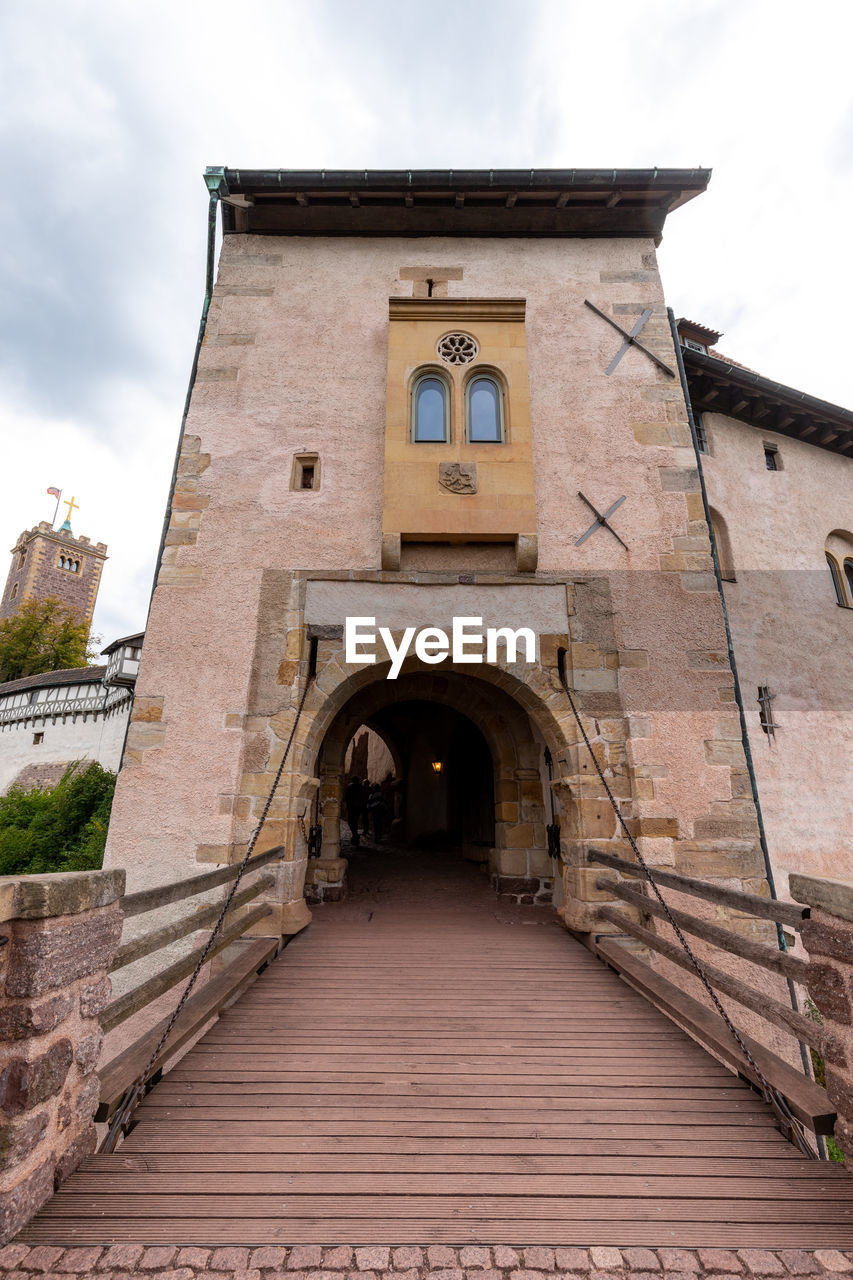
(425, 1065)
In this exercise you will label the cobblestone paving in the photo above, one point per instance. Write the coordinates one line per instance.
(437, 1262)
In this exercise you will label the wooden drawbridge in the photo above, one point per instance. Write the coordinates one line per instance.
(424, 1064)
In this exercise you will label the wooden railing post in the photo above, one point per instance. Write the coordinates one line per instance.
(828, 938)
(60, 932)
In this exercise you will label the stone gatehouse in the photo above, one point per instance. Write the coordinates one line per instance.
(411, 389)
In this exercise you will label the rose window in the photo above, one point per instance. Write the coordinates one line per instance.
(457, 348)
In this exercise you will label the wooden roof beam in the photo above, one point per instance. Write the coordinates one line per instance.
(767, 406)
(700, 383)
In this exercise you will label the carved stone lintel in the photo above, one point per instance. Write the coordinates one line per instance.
(458, 477)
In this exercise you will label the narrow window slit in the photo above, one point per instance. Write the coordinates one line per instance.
(765, 710)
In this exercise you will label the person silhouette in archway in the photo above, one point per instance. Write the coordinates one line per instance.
(354, 804)
(377, 809)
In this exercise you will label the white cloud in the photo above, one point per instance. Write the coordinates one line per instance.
(114, 107)
(761, 92)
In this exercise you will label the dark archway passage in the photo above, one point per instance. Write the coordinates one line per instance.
(445, 775)
(469, 775)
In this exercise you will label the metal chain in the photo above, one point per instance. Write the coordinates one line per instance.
(771, 1095)
(135, 1092)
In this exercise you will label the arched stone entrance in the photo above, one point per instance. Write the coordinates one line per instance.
(470, 776)
(520, 709)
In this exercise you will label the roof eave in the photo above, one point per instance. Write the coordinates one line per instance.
(716, 386)
(470, 202)
(136, 638)
(46, 679)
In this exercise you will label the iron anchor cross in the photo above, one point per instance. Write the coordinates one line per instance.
(600, 521)
(631, 339)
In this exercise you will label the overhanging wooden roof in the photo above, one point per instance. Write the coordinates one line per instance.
(47, 679)
(454, 202)
(718, 386)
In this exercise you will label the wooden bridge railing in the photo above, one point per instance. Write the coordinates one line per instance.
(807, 1100)
(206, 1001)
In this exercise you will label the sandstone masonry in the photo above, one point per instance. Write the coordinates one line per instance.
(60, 934)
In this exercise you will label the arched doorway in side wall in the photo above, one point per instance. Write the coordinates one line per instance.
(463, 775)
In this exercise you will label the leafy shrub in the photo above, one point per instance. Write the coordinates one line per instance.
(64, 829)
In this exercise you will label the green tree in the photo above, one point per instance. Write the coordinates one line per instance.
(60, 830)
(44, 635)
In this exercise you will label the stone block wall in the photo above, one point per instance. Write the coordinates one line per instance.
(525, 890)
(325, 880)
(60, 933)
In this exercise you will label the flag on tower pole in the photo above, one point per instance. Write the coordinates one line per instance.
(56, 493)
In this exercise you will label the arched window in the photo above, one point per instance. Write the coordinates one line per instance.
(838, 548)
(430, 409)
(62, 562)
(484, 411)
(836, 580)
(725, 559)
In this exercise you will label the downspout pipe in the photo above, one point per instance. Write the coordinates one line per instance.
(753, 782)
(217, 187)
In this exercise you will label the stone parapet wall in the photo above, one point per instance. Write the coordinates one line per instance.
(60, 933)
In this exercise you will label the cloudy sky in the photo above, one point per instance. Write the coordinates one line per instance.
(111, 109)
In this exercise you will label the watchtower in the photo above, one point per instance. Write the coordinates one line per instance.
(53, 562)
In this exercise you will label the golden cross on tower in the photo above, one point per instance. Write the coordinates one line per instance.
(70, 505)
